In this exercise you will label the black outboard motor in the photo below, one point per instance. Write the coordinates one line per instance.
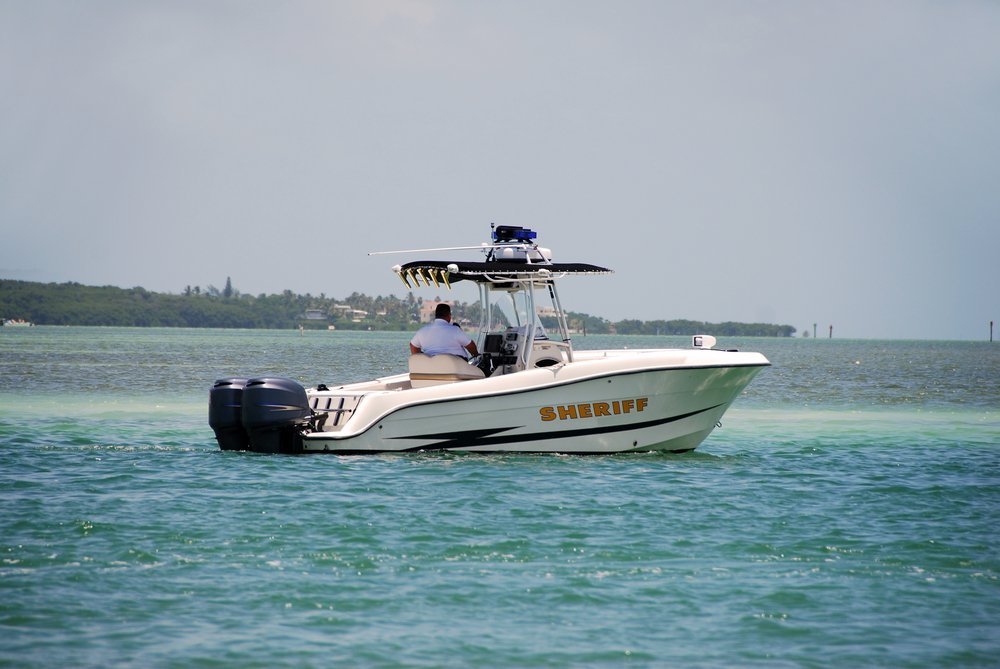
(274, 412)
(225, 414)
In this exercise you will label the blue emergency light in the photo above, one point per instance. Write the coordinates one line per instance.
(513, 233)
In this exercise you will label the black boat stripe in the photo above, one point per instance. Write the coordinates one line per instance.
(486, 437)
(548, 386)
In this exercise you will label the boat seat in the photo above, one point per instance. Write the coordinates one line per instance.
(432, 370)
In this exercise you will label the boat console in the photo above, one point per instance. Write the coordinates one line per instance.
(503, 352)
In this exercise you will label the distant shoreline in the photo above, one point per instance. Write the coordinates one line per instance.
(73, 304)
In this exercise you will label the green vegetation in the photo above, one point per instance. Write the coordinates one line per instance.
(76, 304)
(685, 327)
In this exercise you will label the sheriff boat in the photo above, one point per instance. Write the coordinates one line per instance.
(528, 392)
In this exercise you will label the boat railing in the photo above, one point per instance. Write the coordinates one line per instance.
(337, 408)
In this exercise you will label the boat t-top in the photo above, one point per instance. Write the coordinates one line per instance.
(528, 391)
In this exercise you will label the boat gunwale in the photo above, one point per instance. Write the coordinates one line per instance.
(339, 436)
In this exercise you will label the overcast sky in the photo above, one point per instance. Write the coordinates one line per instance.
(789, 162)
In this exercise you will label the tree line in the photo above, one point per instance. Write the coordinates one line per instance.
(75, 304)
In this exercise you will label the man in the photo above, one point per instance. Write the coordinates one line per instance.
(442, 337)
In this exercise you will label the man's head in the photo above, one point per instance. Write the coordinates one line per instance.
(443, 311)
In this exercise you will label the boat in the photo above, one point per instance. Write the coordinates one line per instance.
(529, 390)
(16, 323)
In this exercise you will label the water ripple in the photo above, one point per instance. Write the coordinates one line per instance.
(843, 515)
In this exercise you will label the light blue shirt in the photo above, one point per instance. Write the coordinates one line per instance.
(441, 337)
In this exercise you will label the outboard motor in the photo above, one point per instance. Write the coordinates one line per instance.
(274, 412)
(225, 414)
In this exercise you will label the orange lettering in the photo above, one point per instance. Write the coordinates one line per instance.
(592, 410)
(567, 412)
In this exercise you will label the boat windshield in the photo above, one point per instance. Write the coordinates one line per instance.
(514, 309)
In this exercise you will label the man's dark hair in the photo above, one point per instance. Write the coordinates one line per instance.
(442, 311)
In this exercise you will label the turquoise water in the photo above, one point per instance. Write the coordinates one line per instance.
(845, 514)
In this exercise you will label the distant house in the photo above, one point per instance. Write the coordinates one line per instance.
(315, 315)
(548, 311)
(427, 308)
(347, 311)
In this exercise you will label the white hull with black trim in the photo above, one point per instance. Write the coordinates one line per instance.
(527, 393)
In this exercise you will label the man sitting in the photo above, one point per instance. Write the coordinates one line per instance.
(442, 337)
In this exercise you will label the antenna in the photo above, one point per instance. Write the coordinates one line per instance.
(504, 236)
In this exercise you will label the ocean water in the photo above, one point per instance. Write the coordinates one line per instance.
(846, 514)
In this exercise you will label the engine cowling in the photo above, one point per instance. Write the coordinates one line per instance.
(225, 414)
(275, 410)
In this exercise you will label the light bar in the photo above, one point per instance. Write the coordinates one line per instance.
(513, 233)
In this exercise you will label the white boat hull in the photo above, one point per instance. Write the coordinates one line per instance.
(607, 402)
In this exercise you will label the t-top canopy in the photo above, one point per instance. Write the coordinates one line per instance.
(496, 272)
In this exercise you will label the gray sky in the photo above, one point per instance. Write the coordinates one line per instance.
(790, 162)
